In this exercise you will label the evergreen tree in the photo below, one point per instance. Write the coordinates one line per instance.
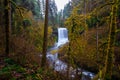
(44, 52)
(7, 16)
(52, 13)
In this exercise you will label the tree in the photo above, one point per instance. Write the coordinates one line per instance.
(60, 19)
(32, 5)
(52, 13)
(40, 10)
(43, 62)
(7, 24)
(67, 10)
(111, 42)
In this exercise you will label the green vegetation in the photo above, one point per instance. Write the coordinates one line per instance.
(94, 38)
(13, 71)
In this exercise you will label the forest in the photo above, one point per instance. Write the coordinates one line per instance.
(29, 31)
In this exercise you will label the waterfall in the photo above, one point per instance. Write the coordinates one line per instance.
(58, 64)
(62, 36)
(53, 58)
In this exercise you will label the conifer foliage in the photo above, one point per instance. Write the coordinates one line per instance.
(28, 31)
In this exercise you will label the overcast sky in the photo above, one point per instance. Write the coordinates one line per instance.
(61, 3)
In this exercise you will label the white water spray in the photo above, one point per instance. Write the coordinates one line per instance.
(62, 36)
(55, 62)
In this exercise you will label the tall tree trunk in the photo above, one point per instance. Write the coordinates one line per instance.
(7, 24)
(43, 62)
(68, 66)
(111, 43)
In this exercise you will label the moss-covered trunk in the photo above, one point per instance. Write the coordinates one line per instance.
(43, 62)
(111, 43)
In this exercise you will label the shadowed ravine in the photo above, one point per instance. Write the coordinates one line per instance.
(59, 65)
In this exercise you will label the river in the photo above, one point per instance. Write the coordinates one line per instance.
(61, 66)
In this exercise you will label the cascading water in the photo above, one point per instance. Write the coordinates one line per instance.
(62, 36)
(53, 58)
(55, 62)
